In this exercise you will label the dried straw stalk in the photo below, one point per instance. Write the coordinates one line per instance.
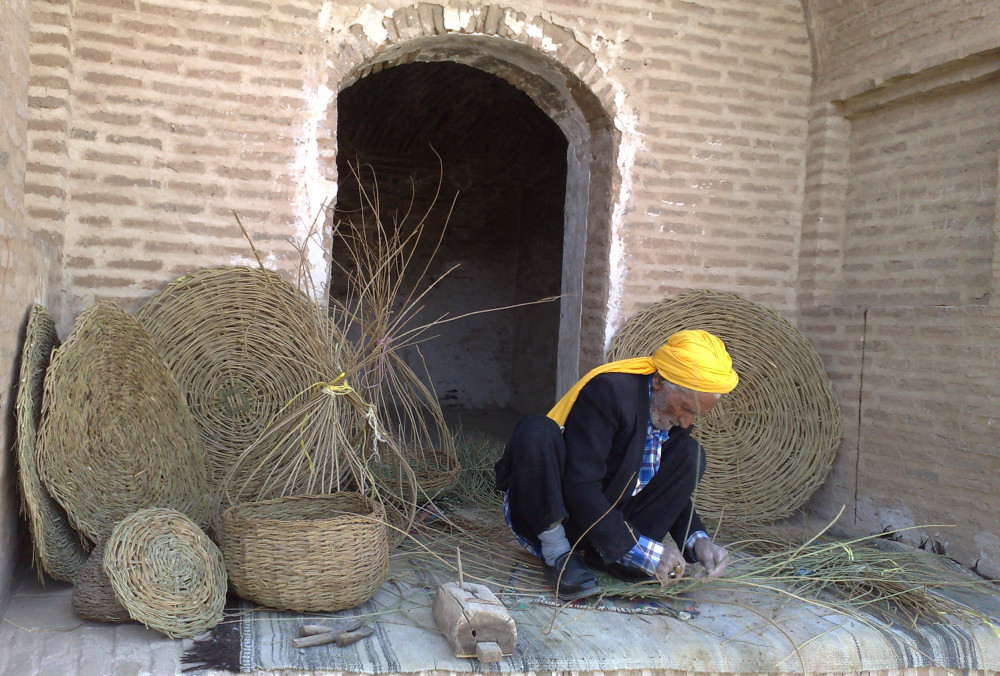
(383, 294)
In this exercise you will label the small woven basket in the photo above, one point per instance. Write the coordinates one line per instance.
(166, 572)
(307, 553)
(93, 596)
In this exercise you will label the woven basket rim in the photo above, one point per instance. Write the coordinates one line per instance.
(245, 510)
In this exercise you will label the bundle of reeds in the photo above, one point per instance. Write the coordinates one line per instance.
(379, 298)
(476, 484)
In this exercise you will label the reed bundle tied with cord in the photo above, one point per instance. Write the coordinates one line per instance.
(381, 287)
(116, 436)
(166, 572)
(269, 379)
(770, 442)
(56, 548)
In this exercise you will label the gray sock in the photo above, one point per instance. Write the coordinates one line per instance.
(554, 543)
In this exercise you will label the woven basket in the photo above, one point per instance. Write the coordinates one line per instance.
(56, 546)
(166, 572)
(93, 596)
(307, 553)
(771, 441)
(115, 435)
(242, 343)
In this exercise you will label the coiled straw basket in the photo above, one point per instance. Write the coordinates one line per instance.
(166, 572)
(307, 553)
(115, 435)
(242, 343)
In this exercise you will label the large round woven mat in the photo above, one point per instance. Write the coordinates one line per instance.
(56, 546)
(166, 572)
(242, 343)
(771, 441)
(115, 435)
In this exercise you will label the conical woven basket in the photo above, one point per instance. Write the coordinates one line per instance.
(93, 596)
(166, 572)
(315, 553)
(771, 441)
(57, 548)
(116, 436)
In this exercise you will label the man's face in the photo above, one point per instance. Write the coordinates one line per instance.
(669, 407)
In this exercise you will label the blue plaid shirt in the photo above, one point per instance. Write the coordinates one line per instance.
(645, 554)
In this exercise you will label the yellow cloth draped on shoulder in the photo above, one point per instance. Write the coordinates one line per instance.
(696, 360)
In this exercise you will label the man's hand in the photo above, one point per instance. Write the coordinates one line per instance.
(710, 555)
(671, 567)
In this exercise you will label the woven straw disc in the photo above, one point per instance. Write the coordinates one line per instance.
(310, 553)
(242, 343)
(771, 441)
(167, 572)
(57, 547)
(93, 596)
(115, 435)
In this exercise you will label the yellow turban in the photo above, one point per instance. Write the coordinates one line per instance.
(696, 360)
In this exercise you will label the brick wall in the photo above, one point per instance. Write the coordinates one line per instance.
(24, 257)
(181, 113)
(718, 183)
(899, 265)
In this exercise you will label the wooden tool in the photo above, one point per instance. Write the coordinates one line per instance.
(473, 620)
(341, 637)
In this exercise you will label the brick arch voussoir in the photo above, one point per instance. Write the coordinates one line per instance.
(363, 50)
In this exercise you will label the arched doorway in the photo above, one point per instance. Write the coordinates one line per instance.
(500, 186)
(531, 150)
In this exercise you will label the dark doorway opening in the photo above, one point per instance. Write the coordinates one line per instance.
(506, 161)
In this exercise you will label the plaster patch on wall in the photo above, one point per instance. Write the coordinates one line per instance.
(456, 18)
(270, 261)
(313, 191)
(606, 47)
(335, 16)
(626, 121)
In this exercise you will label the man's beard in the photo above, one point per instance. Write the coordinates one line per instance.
(661, 421)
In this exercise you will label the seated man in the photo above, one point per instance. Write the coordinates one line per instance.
(612, 468)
